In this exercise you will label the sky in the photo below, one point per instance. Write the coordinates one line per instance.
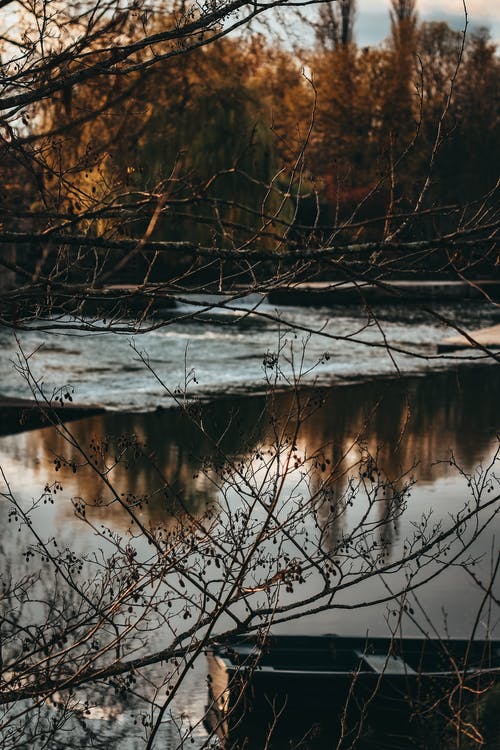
(372, 19)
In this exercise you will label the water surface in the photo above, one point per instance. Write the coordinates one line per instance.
(219, 350)
(412, 426)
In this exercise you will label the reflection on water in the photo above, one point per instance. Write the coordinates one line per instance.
(410, 426)
(174, 465)
(394, 432)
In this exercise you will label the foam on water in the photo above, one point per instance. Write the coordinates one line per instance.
(223, 350)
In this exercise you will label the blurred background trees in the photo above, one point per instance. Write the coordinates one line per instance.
(179, 133)
(234, 112)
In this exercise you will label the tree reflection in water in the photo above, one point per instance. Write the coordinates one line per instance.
(406, 426)
(336, 468)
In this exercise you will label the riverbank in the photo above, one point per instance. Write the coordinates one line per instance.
(19, 414)
(328, 293)
(487, 338)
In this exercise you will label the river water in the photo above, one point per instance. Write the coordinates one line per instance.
(224, 348)
(412, 421)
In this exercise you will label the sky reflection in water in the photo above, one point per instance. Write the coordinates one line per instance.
(411, 424)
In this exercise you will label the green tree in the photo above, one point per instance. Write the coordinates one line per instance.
(207, 134)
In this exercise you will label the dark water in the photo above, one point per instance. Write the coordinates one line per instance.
(408, 421)
(409, 426)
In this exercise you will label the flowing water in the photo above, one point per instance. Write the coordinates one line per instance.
(412, 423)
(224, 348)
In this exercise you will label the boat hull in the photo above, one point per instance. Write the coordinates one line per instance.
(373, 698)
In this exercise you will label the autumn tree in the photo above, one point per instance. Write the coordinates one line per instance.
(472, 128)
(400, 108)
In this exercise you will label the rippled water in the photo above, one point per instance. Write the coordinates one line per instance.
(222, 350)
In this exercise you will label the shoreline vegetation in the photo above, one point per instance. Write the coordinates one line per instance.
(212, 166)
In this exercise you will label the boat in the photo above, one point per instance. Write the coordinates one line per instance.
(275, 690)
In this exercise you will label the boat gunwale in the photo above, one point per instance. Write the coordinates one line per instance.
(410, 674)
(225, 651)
